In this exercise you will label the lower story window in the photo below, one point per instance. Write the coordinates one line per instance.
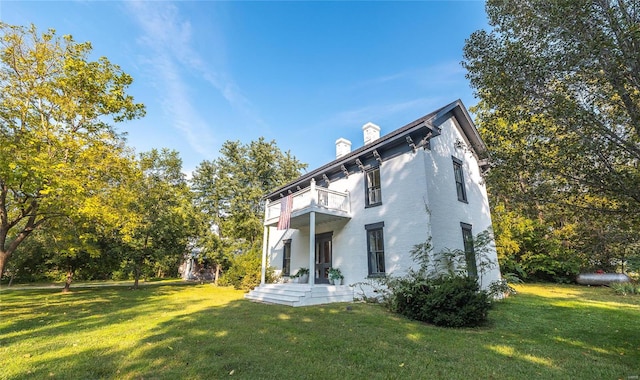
(286, 258)
(469, 252)
(375, 249)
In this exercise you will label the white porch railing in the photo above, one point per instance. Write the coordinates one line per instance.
(323, 197)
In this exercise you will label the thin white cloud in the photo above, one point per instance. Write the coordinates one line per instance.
(172, 59)
(430, 76)
(360, 116)
(432, 81)
(383, 79)
(441, 74)
(164, 35)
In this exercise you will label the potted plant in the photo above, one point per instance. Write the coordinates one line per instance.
(335, 276)
(302, 275)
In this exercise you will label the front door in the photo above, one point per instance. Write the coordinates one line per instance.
(323, 258)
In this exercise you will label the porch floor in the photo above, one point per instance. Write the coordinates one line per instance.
(300, 294)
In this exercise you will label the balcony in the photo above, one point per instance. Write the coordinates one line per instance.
(329, 205)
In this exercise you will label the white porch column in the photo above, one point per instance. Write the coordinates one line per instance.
(312, 232)
(312, 247)
(265, 246)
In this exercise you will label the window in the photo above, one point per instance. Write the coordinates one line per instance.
(459, 175)
(469, 252)
(372, 183)
(286, 258)
(375, 249)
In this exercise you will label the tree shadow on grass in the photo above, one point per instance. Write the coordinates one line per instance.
(203, 332)
(568, 330)
(59, 313)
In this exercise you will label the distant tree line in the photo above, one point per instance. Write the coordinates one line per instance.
(558, 84)
(76, 202)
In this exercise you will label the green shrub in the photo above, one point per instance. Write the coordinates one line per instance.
(456, 302)
(408, 294)
(452, 301)
(625, 288)
(558, 265)
(439, 292)
(502, 288)
(245, 271)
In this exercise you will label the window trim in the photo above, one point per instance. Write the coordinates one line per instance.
(368, 202)
(461, 190)
(374, 227)
(469, 250)
(286, 244)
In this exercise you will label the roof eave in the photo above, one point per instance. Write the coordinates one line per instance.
(459, 111)
(400, 133)
(431, 121)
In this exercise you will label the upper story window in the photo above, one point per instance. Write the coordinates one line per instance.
(373, 191)
(469, 252)
(459, 176)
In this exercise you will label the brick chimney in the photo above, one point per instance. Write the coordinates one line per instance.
(371, 133)
(343, 147)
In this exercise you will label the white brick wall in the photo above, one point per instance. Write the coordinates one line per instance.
(446, 210)
(419, 200)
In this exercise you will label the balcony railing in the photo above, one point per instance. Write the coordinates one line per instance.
(311, 196)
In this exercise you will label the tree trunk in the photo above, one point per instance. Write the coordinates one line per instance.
(135, 281)
(4, 257)
(136, 276)
(215, 281)
(7, 248)
(67, 283)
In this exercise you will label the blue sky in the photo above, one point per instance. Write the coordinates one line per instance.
(303, 73)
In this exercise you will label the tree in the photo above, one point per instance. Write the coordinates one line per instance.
(71, 246)
(229, 191)
(165, 221)
(59, 156)
(559, 90)
(30, 263)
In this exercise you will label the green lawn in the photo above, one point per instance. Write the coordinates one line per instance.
(203, 332)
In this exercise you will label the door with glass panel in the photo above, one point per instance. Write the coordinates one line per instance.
(323, 258)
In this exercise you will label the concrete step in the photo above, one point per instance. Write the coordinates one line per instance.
(292, 292)
(300, 294)
(268, 299)
(331, 290)
(297, 287)
(277, 296)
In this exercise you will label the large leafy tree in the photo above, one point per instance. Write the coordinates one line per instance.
(59, 153)
(229, 193)
(69, 246)
(164, 219)
(230, 189)
(559, 89)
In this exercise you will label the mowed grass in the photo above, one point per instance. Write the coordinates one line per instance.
(204, 332)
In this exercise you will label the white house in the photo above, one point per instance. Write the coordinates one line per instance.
(365, 211)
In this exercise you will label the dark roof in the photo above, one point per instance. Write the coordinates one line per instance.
(430, 121)
(459, 111)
